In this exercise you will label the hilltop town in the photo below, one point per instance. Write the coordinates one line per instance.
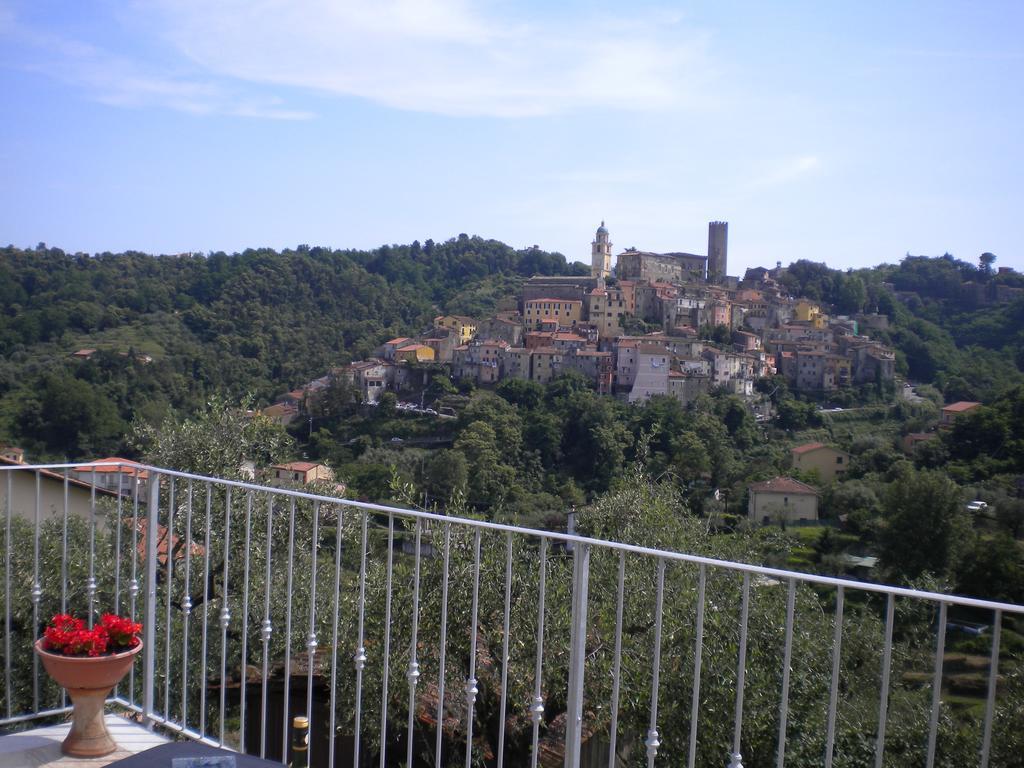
(673, 324)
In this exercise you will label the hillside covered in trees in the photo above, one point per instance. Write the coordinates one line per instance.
(172, 331)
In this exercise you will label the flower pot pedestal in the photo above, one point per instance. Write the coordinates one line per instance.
(88, 681)
(89, 736)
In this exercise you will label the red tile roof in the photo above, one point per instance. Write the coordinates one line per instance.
(961, 407)
(808, 447)
(127, 468)
(296, 466)
(783, 485)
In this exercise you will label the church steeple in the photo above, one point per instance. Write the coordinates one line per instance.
(601, 254)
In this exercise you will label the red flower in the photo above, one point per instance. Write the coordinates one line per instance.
(123, 631)
(61, 631)
(69, 636)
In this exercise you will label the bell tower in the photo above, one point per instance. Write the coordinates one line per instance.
(601, 254)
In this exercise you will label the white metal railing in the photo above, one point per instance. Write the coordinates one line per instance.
(610, 653)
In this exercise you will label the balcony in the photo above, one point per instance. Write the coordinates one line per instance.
(418, 639)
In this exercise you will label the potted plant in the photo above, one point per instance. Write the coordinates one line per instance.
(88, 663)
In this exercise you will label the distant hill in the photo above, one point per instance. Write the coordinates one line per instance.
(953, 324)
(172, 331)
(256, 322)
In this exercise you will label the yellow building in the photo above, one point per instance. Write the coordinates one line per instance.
(809, 312)
(606, 308)
(566, 312)
(416, 353)
(828, 462)
(464, 326)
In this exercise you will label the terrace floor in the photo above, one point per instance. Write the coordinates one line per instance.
(41, 746)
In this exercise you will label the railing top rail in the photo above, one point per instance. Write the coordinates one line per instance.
(810, 578)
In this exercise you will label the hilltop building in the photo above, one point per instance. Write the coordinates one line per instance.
(718, 247)
(601, 254)
(693, 329)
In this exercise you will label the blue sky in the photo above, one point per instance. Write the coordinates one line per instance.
(849, 133)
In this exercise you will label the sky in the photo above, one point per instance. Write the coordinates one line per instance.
(848, 133)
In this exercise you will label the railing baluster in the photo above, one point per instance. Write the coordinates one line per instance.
(288, 631)
(149, 623)
(736, 758)
(787, 658)
(225, 614)
(653, 739)
(133, 587)
(413, 672)
(471, 681)
(64, 551)
(7, 598)
(64, 567)
(90, 585)
(117, 542)
(333, 734)
(833, 694)
(506, 626)
(387, 642)
(244, 652)
(697, 658)
(537, 707)
(613, 728)
(940, 651)
(577, 654)
(883, 702)
(311, 639)
(169, 583)
(990, 698)
(360, 655)
(186, 606)
(443, 646)
(206, 608)
(37, 594)
(266, 629)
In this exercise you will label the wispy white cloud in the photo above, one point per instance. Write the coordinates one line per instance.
(125, 82)
(451, 57)
(444, 56)
(785, 172)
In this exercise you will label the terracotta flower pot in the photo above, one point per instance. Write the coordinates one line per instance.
(88, 680)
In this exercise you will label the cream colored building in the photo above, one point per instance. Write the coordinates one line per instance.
(23, 485)
(300, 472)
(782, 499)
(606, 308)
(566, 312)
(827, 461)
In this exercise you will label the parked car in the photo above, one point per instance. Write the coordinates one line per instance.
(977, 506)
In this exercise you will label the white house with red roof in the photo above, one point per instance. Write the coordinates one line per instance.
(782, 499)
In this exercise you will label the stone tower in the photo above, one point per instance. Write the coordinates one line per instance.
(718, 249)
(601, 254)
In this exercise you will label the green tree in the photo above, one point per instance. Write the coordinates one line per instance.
(926, 528)
(219, 440)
